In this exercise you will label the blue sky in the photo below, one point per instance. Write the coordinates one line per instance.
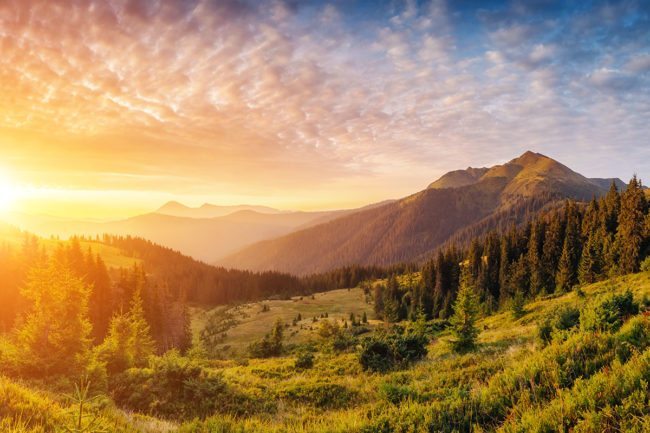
(310, 104)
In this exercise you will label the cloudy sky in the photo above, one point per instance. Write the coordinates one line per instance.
(116, 106)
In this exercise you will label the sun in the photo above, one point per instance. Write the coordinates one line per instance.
(8, 194)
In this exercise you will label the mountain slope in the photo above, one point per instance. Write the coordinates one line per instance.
(414, 226)
(206, 239)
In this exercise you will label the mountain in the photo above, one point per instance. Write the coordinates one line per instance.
(174, 208)
(206, 239)
(458, 178)
(413, 227)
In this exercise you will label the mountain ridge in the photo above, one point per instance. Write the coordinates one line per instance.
(414, 226)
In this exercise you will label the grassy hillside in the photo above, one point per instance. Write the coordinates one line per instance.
(337, 396)
(246, 323)
(593, 381)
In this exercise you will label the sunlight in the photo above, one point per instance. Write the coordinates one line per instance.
(8, 193)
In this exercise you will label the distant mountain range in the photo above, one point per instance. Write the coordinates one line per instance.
(475, 199)
(206, 233)
(207, 210)
(457, 206)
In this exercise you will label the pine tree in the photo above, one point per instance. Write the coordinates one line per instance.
(55, 336)
(101, 302)
(392, 300)
(567, 273)
(143, 344)
(551, 251)
(535, 251)
(591, 263)
(631, 222)
(465, 315)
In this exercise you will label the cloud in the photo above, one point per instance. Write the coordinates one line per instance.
(262, 96)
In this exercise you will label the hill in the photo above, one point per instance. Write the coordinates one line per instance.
(475, 200)
(201, 237)
(513, 381)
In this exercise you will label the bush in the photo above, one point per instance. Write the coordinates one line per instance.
(271, 345)
(305, 360)
(322, 395)
(376, 355)
(566, 318)
(175, 387)
(563, 320)
(385, 352)
(545, 331)
(645, 265)
(610, 313)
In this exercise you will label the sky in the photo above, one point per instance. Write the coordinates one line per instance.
(110, 108)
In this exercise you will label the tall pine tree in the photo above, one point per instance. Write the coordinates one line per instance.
(631, 228)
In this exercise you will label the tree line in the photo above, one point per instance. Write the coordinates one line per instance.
(562, 248)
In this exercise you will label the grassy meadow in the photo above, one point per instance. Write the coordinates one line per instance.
(511, 382)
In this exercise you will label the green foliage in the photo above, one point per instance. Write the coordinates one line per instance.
(609, 313)
(55, 337)
(270, 345)
(383, 352)
(645, 265)
(463, 321)
(175, 387)
(128, 343)
(304, 361)
(322, 395)
(517, 306)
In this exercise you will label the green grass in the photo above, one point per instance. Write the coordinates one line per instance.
(510, 383)
(253, 322)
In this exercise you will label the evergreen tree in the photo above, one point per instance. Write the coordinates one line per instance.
(535, 263)
(101, 302)
(392, 299)
(55, 336)
(567, 273)
(551, 251)
(591, 263)
(143, 344)
(630, 233)
(463, 321)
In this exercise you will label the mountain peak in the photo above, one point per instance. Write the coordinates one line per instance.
(530, 157)
(172, 205)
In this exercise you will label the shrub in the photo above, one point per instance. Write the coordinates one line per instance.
(545, 331)
(175, 387)
(609, 314)
(376, 355)
(566, 318)
(270, 345)
(305, 360)
(322, 395)
(381, 353)
(645, 265)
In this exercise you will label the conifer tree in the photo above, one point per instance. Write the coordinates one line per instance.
(55, 336)
(567, 273)
(392, 300)
(143, 344)
(591, 262)
(465, 315)
(551, 251)
(631, 227)
(101, 302)
(535, 264)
